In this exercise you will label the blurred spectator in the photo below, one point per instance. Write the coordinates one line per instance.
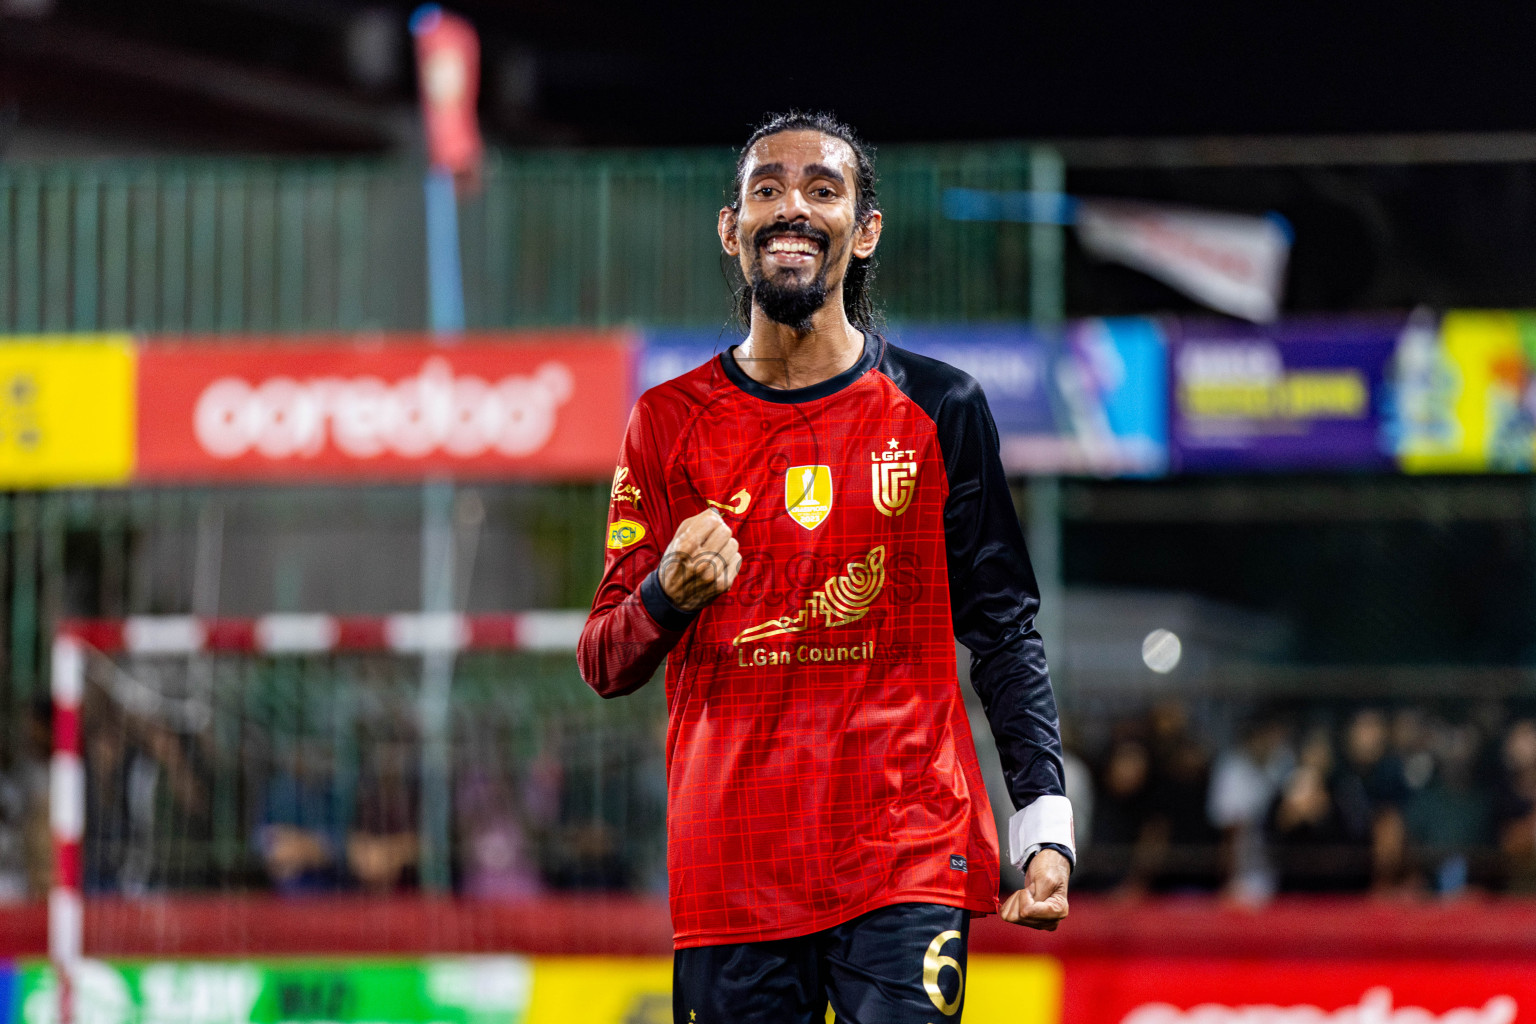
(299, 828)
(589, 847)
(1189, 860)
(1122, 810)
(1515, 807)
(1077, 780)
(25, 843)
(1124, 793)
(13, 838)
(1179, 838)
(147, 795)
(1314, 848)
(1413, 741)
(106, 797)
(1449, 820)
(384, 844)
(1244, 784)
(171, 813)
(1368, 792)
(1167, 729)
(649, 814)
(496, 858)
(497, 852)
(38, 830)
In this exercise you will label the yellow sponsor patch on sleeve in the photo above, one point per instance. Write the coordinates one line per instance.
(624, 532)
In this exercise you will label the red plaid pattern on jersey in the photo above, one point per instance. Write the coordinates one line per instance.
(819, 756)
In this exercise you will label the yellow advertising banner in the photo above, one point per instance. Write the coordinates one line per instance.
(1006, 989)
(999, 989)
(66, 410)
(601, 990)
(1462, 396)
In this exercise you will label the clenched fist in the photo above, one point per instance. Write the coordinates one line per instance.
(701, 562)
(1042, 903)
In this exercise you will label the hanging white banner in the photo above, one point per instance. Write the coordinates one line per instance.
(1231, 262)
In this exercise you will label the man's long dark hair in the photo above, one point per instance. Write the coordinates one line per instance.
(858, 300)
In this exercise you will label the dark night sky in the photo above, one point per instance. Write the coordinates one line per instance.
(1079, 69)
(935, 71)
(699, 72)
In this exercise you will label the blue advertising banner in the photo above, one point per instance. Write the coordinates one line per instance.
(10, 992)
(1297, 395)
(665, 354)
(1088, 399)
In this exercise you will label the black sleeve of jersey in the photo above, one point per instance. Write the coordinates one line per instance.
(992, 590)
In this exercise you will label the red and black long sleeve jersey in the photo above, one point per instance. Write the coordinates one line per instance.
(819, 758)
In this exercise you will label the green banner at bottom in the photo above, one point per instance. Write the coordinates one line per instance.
(449, 990)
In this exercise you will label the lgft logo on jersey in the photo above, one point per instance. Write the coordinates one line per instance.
(893, 477)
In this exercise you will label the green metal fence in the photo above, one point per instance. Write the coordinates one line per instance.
(227, 247)
(555, 238)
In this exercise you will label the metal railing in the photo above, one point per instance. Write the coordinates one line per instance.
(564, 238)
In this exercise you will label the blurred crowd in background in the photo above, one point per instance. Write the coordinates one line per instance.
(1381, 799)
(170, 809)
(1387, 799)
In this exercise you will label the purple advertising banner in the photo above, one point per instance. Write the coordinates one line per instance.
(1297, 395)
(1086, 399)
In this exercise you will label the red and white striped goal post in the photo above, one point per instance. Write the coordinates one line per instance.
(185, 635)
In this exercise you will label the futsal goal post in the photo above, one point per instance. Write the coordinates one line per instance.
(215, 769)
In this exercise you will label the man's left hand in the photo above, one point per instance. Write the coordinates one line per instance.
(1042, 903)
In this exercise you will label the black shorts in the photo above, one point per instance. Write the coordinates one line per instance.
(898, 964)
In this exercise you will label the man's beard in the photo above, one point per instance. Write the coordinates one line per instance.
(782, 298)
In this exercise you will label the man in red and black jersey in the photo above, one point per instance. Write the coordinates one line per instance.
(802, 527)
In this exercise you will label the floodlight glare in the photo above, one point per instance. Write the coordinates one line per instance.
(1161, 651)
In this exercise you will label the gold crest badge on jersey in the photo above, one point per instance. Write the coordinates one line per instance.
(808, 494)
(893, 478)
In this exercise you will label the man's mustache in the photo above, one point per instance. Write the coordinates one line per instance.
(816, 235)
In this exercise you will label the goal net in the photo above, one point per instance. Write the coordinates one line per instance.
(299, 784)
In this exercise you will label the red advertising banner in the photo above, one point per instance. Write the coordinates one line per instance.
(530, 406)
(1145, 990)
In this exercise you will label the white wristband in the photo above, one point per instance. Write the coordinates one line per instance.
(1047, 819)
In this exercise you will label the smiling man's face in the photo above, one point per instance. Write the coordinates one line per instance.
(796, 227)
